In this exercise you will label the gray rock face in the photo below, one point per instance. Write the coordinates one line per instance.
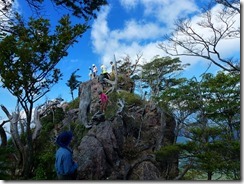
(145, 171)
(97, 152)
(123, 147)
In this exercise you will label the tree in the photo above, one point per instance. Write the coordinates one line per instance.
(123, 77)
(28, 62)
(208, 117)
(73, 83)
(85, 10)
(161, 73)
(189, 40)
(234, 4)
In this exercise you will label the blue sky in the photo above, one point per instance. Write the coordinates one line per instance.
(125, 27)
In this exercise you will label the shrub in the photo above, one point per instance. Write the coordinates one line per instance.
(167, 153)
(130, 98)
(74, 104)
(79, 131)
(6, 165)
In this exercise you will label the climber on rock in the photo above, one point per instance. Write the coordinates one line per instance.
(104, 75)
(103, 101)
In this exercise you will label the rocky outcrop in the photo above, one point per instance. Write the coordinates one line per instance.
(123, 147)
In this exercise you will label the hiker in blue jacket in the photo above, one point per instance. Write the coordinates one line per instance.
(65, 166)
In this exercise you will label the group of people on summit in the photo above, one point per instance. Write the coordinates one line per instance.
(93, 71)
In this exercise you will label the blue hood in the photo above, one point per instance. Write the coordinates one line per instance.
(64, 138)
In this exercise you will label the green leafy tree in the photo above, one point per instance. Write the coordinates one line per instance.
(28, 62)
(45, 146)
(126, 71)
(73, 83)
(84, 10)
(208, 117)
(161, 73)
(223, 100)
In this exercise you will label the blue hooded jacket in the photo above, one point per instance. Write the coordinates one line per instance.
(64, 163)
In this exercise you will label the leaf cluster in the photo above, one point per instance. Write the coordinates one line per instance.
(130, 98)
(29, 56)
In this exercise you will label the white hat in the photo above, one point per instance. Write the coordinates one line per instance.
(93, 64)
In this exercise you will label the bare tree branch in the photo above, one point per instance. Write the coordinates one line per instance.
(187, 40)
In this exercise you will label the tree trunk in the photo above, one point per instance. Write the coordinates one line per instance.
(210, 175)
(116, 75)
(3, 137)
(85, 101)
(38, 125)
(28, 148)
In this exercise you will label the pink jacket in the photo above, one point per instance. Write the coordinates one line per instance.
(103, 98)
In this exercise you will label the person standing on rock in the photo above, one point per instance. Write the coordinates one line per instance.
(103, 101)
(65, 166)
(94, 70)
(112, 68)
(90, 73)
(104, 75)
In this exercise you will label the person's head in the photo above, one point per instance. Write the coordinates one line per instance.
(64, 138)
(111, 62)
(99, 92)
(93, 65)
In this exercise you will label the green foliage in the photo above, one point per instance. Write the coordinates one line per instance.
(209, 114)
(130, 98)
(74, 104)
(125, 83)
(49, 121)
(79, 131)
(31, 53)
(194, 175)
(45, 148)
(160, 74)
(28, 60)
(82, 9)
(6, 164)
(112, 108)
(45, 160)
(167, 152)
(216, 156)
(73, 83)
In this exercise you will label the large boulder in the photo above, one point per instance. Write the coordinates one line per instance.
(98, 152)
(123, 147)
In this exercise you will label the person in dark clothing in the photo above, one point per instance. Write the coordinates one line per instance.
(65, 166)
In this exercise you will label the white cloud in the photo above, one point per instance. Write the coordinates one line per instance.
(129, 4)
(135, 30)
(100, 30)
(15, 6)
(226, 47)
(134, 38)
(142, 35)
(167, 11)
